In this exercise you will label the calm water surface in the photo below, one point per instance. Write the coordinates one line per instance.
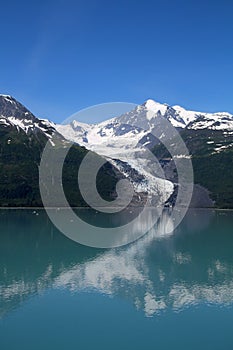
(161, 292)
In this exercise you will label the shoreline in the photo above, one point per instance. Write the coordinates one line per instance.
(131, 208)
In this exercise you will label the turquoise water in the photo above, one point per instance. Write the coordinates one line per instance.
(161, 292)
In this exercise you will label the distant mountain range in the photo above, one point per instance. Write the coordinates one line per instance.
(122, 141)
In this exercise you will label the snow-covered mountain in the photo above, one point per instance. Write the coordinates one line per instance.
(122, 139)
(132, 128)
(126, 125)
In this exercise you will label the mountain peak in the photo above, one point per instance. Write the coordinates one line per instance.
(155, 106)
(10, 107)
(14, 115)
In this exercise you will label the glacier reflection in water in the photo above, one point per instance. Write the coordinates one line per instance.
(191, 266)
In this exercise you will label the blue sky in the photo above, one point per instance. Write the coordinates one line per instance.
(58, 57)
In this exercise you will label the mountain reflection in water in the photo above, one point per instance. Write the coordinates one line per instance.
(192, 265)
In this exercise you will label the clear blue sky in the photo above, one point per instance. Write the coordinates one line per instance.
(57, 57)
